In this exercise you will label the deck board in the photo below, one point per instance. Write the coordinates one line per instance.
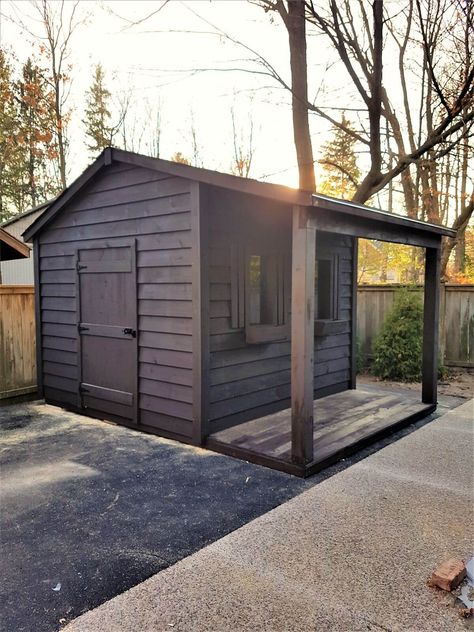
(342, 423)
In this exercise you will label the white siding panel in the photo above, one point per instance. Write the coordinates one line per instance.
(20, 271)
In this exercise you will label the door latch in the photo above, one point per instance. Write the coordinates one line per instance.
(128, 331)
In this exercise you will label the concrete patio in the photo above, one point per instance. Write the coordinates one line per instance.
(352, 553)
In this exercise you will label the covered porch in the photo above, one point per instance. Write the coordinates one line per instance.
(344, 423)
(314, 433)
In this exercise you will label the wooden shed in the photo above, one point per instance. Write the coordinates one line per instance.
(215, 310)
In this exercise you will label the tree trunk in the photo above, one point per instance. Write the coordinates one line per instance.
(296, 26)
(406, 178)
(460, 254)
(374, 176)
(60, 137)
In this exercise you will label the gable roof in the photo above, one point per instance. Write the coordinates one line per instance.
(11, 247)
(226, 181)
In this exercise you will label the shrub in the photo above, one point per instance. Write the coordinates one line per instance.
(398, 346)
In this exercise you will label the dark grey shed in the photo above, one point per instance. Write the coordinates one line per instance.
(187, 302)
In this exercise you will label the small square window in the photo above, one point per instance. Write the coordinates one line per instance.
(265, 297)
(263, 289)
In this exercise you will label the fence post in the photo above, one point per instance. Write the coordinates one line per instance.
(442, 322)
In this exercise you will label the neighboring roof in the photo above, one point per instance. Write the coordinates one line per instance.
(11, 247)
(226, 181)
(19, 216)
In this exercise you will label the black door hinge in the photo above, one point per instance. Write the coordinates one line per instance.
(128, 331)
(80, 266)
(82, 328)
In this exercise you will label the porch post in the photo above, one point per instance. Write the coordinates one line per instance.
(302, 335)
(430, 326)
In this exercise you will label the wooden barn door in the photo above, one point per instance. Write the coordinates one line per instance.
(107, 332)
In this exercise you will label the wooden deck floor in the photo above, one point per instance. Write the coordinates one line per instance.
(343, 423)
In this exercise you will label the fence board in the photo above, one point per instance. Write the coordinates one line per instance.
(456, 319)
(17, 340)
(459, 325)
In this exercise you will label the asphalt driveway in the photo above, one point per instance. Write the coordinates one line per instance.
(89, 509)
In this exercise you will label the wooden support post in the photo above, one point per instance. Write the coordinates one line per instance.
(430, 326)
(302, 335)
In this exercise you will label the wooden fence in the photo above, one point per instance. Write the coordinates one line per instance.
(17, 329)
(17, 340)
(456, 319)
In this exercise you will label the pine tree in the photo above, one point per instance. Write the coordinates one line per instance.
(97, 115)
(341, 173)
(36, 140)
(9, 163)
(27, 150)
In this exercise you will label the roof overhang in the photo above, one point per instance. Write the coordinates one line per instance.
(354, 219)
(11, 247)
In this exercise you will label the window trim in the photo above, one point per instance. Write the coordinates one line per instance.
(266, 332)
(326, 326)
(240, 296)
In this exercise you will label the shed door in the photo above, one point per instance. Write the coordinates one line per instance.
(107, 329)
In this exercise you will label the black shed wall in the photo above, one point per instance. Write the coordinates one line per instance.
(125, 201)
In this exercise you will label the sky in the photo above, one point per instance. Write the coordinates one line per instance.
(157, 63)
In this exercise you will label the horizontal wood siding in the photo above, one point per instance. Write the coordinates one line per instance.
(247, 381)
(120, 204)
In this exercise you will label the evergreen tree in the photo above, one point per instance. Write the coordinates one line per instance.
(39, 152)
(97, 115)
(27, 150)
(341, 173)
(9, 163)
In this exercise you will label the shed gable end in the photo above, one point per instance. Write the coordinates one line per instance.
(125, 202)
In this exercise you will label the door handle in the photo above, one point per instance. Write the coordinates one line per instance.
(128, 331)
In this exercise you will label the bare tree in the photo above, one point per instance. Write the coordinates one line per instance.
(460, 224)
(364, 66)
(58, 30)
(447, 96)
(293, 17)
(196, 149)
(243, 146)
(154, 124)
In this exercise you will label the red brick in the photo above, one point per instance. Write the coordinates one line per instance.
(449, 575)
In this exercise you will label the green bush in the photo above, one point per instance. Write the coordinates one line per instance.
(398, 346)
